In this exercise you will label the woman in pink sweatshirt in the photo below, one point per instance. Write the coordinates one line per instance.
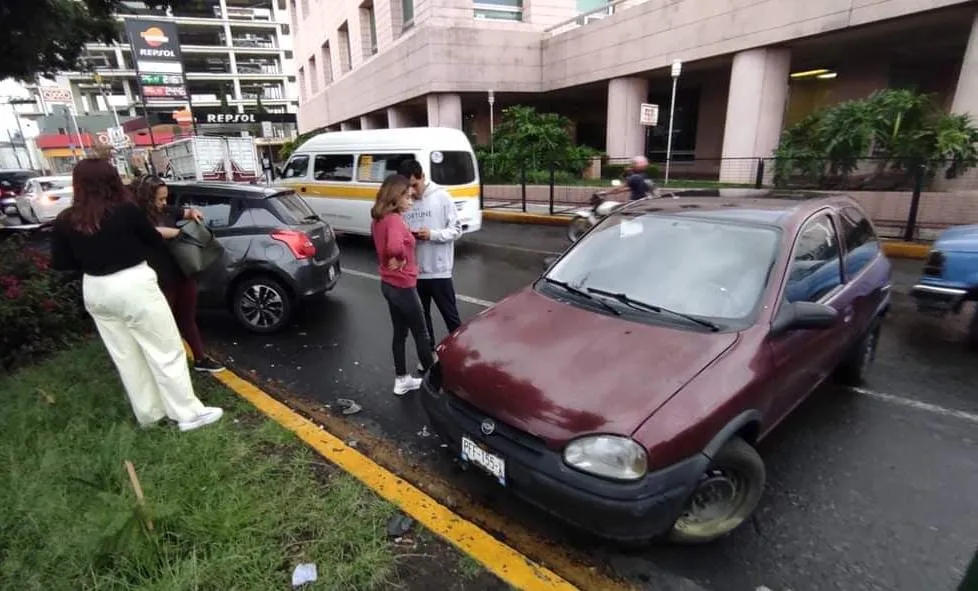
(399, 277)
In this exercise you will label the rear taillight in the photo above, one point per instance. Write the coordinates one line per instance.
(298, 242)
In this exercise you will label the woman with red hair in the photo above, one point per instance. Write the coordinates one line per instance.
(106, 237)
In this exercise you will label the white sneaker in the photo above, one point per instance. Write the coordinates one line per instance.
(210, 414)
(404, 384)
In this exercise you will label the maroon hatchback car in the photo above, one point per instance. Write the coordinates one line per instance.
(625, 390)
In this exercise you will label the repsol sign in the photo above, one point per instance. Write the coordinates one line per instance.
(168, 53)
(231, 118)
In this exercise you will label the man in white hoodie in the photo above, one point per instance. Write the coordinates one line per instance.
(434, 222)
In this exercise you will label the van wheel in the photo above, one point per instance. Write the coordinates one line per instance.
(853, 369)
(261, 304)
(725, 496)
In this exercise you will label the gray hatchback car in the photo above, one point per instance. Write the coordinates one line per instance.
(278, 253)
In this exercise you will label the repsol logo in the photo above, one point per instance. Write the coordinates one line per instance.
(231, 118)
(157, 53)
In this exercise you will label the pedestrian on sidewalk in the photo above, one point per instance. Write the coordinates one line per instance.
(106, 237)
(399, 278)
(434, 222)
(180, 290)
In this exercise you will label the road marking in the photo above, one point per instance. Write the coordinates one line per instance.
(917, 405)
(464, 298)
(505, 562)
(890, 398)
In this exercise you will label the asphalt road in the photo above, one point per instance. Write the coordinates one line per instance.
(870, 490)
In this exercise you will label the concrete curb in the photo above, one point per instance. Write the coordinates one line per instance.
(893, 248)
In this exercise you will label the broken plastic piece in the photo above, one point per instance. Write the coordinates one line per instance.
(348, 407)
(304, 573)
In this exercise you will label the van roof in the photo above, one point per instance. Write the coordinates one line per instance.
(435, 138)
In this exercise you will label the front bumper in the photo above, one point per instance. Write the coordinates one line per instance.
(632, 511)
(936, 299)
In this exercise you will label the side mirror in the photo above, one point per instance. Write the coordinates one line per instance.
(616, 183)
(803, 316)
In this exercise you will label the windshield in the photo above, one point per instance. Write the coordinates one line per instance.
(700, 268)
(290, 208)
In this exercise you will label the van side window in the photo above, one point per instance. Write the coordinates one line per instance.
(333, 167)
(297, 167)
(374, 168)
(452, 168)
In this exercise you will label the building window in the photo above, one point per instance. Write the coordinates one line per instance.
(368, 29)
(305, 9)
(346, 54)
(683, 129)
(313, 82)
(507, 10)
(407, 13)
(302, 83)
(327, 64)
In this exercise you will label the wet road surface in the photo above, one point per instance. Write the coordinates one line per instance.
(866, 490)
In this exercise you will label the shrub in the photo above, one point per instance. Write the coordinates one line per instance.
(40, 311)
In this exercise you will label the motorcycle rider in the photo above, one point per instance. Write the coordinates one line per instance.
(637, 182)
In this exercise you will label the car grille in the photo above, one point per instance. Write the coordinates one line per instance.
(934, 266)
(473, 417)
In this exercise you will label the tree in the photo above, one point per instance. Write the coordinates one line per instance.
(48, 36)
(532, 143)
(885, 137)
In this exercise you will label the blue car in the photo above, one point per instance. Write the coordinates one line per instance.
(950, 277)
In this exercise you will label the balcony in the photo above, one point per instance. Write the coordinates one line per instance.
(252, 41)
(262, 15)
(252, 67)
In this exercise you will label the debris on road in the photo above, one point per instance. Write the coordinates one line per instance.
(348, 407)
(424, 432)
(399, 525)
(304, 573)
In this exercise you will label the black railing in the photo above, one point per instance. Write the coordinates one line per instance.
(563, 186)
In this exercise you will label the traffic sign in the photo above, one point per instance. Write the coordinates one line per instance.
(649, 114)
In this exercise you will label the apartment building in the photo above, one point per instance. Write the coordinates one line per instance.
(750, 67)
(235, 54)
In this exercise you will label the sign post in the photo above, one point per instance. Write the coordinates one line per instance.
(492, 125)
(159, 66)
(677, 68)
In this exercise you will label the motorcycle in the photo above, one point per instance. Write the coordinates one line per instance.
(600, 208)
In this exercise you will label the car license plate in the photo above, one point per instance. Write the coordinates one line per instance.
(491, 463)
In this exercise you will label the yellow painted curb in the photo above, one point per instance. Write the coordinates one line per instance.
(906, 250)
(509, 565)
(518, 217)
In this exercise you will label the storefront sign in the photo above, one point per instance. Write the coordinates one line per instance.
(156, 52)
(233, 117)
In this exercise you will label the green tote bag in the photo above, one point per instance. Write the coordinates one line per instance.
(195, 248)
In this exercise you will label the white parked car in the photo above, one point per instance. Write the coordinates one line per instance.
(43, 198)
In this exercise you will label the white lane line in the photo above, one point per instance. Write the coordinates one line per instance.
(463, 298)
(890, 398)
(917, 405)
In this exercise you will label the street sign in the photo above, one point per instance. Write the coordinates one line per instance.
(56, 95)
(649, 114)
(117, 138)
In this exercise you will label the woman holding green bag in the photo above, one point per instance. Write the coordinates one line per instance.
(180, 290)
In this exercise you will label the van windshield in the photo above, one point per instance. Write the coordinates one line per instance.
(452, 168)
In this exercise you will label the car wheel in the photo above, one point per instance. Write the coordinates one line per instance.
(853, 370)
(725, 495)
(261, 304)
(577, 228)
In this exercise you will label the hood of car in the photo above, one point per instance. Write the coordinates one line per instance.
(958, 239)
(558, 371)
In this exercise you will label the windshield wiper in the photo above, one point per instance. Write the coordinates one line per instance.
(584, 294)
(640, 305)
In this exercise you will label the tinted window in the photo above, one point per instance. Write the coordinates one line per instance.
(290, 208)
(815, 266)
(216, 209)
(297, 167)
(860, 239)
(333, 167)
(55, 185)
(699, 267)
(452, 168)
(374, 168)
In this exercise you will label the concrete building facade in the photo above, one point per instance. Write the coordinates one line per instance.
(751, 67)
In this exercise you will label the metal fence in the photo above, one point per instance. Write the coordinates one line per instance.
(563, 186)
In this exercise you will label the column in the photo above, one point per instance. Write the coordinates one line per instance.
(347, 126)
(398, 117)
(966, 93)
(444, 110)
(755, 111)
(625, 134)
(369, 122)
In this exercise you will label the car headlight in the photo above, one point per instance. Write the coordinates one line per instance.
(610, 456)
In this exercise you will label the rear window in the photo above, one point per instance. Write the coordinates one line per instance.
(452, 168)
(290, 208)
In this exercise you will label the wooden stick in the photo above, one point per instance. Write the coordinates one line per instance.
(138, 489)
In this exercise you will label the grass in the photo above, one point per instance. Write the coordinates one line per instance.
(233, 506)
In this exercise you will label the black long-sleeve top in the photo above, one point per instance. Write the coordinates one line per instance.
(124, 239)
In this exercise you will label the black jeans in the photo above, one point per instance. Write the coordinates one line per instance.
(406, 316)
(442, 291)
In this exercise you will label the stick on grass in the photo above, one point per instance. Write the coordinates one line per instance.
(138, 489)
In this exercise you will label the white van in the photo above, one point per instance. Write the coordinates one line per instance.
(338, 173)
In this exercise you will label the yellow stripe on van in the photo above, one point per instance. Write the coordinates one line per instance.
(366, 192)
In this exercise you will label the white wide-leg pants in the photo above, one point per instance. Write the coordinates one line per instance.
(139, 331)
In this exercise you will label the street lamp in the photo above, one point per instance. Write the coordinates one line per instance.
(677, 68)
(492, 121)
(20, 128)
